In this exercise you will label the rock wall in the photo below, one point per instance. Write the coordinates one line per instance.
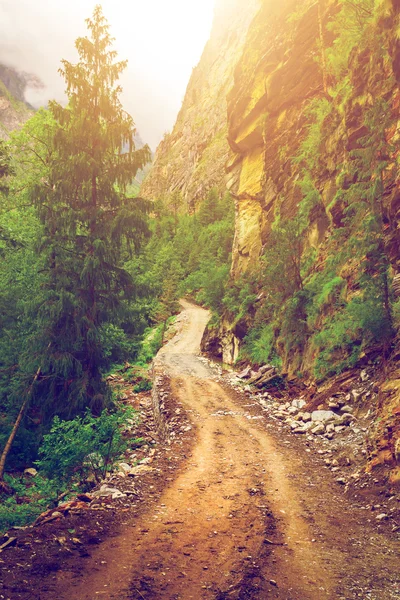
(192, 158)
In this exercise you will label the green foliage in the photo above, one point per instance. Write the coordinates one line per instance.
(27, 501)
(89, 224)
(348, 26)
(73, 450)
(259, 346)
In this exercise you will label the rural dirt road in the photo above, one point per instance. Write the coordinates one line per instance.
(249, 516)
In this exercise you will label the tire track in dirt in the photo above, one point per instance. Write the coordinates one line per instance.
(232, 524)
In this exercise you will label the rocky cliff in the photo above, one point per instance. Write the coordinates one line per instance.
(192, 158)
(309, 148)
(13, 109)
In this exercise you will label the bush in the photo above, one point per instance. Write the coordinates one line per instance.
(86, 445)
(27, 501)
(259, 346)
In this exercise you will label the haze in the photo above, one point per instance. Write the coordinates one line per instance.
(162, 39)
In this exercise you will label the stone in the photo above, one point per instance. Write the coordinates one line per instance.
(299, 430)
(139, 470)
(106, 491)
(346, 419)
(397, 450)
(292, 410)
(323, 415)
(333, 406)
(124, 467)
(330, 428)
(307, 417)
(31, 472)
(346, 409)
(356, 395)
(299, 403)
(245, 374)
(364, 376)
(319, 429)
(340, 428)
(382, 517)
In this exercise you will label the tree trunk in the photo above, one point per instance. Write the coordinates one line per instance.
(13, 433)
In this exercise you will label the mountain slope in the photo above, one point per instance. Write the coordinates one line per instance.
(192, 158)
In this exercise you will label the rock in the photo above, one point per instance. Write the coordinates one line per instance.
(382, 517)
(139, 470)
(341, 480)
(323, 415)
(330, 428)
(245, 374)
(333, 406)
(397, 450)
(340, 428)
(346, 419)
(364, 376)
(30, 472)
(298, 417)
(319, 429)
(106, 491)
(300, 430)
(292, 410)
(294, 425)
(307, 417)
(124, 467)
(356, 395)
(299, 403)
(346, 409)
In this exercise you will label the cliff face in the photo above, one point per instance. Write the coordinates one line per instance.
(279, 74)
(192, 158)
(13, 109)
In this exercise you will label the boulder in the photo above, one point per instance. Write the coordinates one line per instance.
(245, 374)
(319, 429)
(323, 416)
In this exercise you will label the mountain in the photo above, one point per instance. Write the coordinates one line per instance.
(14, 111)
(192, 157)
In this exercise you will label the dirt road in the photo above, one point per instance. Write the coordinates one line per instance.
(249, 516)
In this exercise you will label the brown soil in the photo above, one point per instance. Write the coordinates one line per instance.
(244, 512)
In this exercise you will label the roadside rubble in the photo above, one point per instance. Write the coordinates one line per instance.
(334, 427)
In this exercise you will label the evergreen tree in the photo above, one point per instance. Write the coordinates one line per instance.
(208, 211)
(89, 224)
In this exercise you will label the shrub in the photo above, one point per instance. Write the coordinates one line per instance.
(259, 346)
(86, 445)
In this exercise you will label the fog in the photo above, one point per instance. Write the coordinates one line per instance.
(162, 39)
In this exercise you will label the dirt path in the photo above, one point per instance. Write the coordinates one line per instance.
(249, 516)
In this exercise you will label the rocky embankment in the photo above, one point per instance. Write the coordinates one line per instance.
(339, 424)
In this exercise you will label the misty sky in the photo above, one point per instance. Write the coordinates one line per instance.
(162, 39)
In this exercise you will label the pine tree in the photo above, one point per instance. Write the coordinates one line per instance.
(209, 208)
(89, 224)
